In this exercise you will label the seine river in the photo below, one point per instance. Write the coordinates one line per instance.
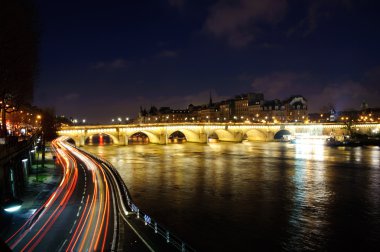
(254, 196)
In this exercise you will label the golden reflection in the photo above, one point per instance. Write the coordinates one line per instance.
(310, 151)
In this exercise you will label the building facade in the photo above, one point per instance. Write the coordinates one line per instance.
(250, 107)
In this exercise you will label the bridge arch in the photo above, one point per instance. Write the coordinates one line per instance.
(256, 135)
(177, 137)
(153, 138)
(229, 136)
(113, 139)
(139, 138)
(281, 133)
(72, 141)
(190, 135)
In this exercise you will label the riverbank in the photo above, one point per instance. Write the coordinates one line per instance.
(39, 185)
(353, 142)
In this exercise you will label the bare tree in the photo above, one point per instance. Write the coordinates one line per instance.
(18, 55)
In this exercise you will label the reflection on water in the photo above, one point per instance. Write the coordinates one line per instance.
(250, 196)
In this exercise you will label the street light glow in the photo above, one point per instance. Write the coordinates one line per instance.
(12, 209)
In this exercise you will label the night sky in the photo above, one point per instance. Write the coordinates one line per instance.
(103, 59)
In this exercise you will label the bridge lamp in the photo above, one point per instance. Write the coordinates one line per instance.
(112, 120)
(119, 119)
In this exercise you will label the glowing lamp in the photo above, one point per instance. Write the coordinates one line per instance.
(12, 205)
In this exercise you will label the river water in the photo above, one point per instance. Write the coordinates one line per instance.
(253, 196)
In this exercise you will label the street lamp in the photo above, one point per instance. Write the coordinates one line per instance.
(12, 205)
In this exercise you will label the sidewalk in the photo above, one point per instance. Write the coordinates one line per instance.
(37, 190)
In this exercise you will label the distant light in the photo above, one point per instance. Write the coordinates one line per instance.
(84, 120)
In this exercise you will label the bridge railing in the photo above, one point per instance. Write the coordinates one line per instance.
(142, 216)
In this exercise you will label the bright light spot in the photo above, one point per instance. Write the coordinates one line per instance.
(12, 209)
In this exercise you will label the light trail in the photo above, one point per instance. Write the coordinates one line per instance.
(47, 229)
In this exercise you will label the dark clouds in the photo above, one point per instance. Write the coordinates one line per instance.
(112, 64)
(168, 54)
(105, 60)
(237, 21)
(342, 93)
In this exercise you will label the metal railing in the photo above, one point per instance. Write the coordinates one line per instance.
(14, 147)
(140, 215)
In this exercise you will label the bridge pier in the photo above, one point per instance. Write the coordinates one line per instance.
(203, 137)
(163, 138)
(123, 139)
(81, 141)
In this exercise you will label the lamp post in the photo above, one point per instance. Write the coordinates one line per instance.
(38, 155)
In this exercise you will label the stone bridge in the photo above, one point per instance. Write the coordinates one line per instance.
(202, 132)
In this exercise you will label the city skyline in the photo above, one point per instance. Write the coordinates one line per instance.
(104, 61)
